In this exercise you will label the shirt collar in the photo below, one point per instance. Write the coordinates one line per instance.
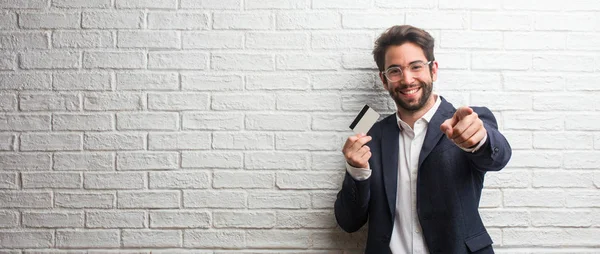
(427, 116)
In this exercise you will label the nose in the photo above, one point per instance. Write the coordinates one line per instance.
(407, 78)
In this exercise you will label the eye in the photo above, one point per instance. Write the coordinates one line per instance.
(416, 67)
(393, 72)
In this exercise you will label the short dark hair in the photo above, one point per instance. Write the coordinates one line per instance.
(398, 35)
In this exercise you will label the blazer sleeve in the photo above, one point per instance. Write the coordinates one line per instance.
(352, 204)
(496, 151)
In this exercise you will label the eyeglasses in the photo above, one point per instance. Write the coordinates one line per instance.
(394, 74)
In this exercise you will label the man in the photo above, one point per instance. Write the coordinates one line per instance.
(417, 176)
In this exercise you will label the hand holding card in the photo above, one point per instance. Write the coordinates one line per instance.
(355, 150)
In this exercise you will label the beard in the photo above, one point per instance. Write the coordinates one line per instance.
(426, 89)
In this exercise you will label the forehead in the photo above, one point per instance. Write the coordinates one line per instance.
(403, 54)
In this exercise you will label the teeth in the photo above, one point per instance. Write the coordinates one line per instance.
(411, 91)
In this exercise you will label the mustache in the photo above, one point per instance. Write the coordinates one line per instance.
(402, 87)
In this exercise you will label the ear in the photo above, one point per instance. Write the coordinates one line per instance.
(384, 81)
(434, 71)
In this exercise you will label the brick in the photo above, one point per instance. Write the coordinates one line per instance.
(117, 180)
(308, 181)
(242, 62)
(519, 82)
(113, 101)
(212, 121)
(55, 252)
(552, 237)
(81, 81)
(536, 159)
(491, 199)
(25, 161)
(82, 39)
(143, 4)
(280, 199)
(556, 62)
(179, 141)
(277, 238)
(582, 83)
(84, 161)
(114, 60)
(178, 20)
(379, 102)
(53, 219)
(115, 219)
(561, 218)
(337, 40)
(251, 101)
(581, 41)
(49, 60)
(212, 40)
(25, 199)
(241, 20)
(50, 142)
(534, 40)
(178, 101)
(323, 200)
(179, 219)
(346, 81)
(82, 122)
(277, 82)
(277, 122)
(179, 180)
(444, 20)
(8, 181)
(84, 199)
(148, 199)
(273, 160)
(533, 121)
(534, 198)
(597, 142)
(371, 20)
(494, 61)
(503, 101)
(114, 20)
(505, 218)
(564, 22)
(24, 40)
(503, 22)
(583, 198)
(426, 4)
(214, 239)
(309, 102)
(573, 122)
(277, 40)
(82, 3)
(147, 121)
(243, 180)
(26, 238)
(514, 179)
(208, 4)
(581, 160)
(147, 81)
(305, 219)
(51, 180)
(359, 61)
(307, 20)
(244, 141)
(275, 4)
(562, 103)
(308, 61)
(177, 60)
(228, 219)
(470, 4)
(148, 39)
(147, 160)
(97, 238)
(337, 122)
(194, 82)
(26, 81)
(214, 199)
(49, 20)
(308, 141)
(563, 179)
(8, 20)
(151, 238)
(9, 219)
(114, 141)
(211, 160)
(471, 39)
(49, 102)
(7, 142)
(8, 60)
(563, 140)
(8, 102)
(452, 60)
(327, 161)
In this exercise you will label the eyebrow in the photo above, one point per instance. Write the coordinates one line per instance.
(397, 65)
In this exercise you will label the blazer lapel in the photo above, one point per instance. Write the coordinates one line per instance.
(389, 153)
(445, 111)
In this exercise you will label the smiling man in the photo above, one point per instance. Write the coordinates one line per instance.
(417, 176)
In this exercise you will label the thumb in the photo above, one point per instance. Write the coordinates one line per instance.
(462, 112)
(447, 126)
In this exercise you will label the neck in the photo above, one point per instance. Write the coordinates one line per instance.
(410, 117)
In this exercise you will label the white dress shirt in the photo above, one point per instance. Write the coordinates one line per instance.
(407, 236)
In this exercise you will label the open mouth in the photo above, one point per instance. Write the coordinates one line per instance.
(410, 91)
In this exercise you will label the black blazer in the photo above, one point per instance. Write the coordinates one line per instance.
(449, 184)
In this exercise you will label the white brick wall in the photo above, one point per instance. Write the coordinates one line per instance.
(139, 126)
